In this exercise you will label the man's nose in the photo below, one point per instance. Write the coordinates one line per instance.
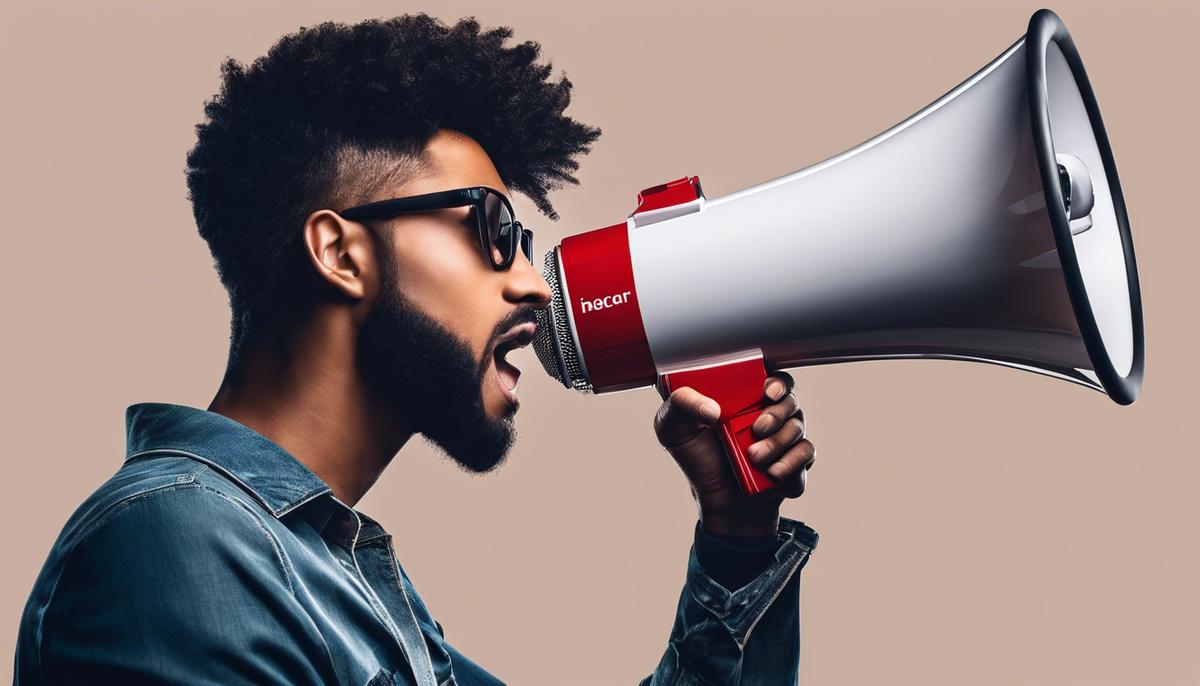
(525, 284)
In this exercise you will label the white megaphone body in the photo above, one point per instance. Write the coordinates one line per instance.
(990, 226)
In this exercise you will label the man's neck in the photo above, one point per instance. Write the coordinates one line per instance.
(304, 395)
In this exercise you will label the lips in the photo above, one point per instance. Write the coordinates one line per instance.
(507, 375)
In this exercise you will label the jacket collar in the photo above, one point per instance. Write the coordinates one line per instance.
(261, 467)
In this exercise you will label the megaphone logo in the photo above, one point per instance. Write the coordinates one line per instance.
(607, 301)
(989, 226)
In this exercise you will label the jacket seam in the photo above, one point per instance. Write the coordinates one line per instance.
(281, 557)
(408, 606)
(744, 638)
(276, 544)
(123, 503)
(231, 477)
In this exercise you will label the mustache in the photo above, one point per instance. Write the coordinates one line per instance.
(521, 315)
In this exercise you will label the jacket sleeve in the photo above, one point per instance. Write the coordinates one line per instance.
(743, 636)
(182, 585)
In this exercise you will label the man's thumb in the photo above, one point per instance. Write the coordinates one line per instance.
(683, 415)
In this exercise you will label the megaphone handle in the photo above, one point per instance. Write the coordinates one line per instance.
(738, 389)
(736, 436)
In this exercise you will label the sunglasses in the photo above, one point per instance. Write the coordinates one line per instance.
(499, 232)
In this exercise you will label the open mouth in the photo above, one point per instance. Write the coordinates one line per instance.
(507, 375)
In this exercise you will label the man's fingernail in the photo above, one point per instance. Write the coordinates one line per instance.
(764, 423)
(775, 390)
(710, 411)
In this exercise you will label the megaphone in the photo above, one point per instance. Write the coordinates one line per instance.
(989, 226)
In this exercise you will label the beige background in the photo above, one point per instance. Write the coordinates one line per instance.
(979, 525)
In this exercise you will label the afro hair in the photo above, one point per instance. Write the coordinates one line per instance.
(332, 113)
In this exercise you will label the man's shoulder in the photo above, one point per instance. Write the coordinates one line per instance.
(166, 540)
(155, 509)
(167, 490)
(159, 525)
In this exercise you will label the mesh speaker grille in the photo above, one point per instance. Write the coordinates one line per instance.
(553, 342)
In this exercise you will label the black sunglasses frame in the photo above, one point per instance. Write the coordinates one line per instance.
(474, 196)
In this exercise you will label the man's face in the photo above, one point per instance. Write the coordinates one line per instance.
(434, 343)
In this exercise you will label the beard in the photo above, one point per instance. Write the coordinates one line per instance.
(428, 376)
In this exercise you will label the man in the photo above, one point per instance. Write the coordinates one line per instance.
(227, 550)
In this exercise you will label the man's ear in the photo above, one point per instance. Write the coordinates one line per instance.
(341, 252)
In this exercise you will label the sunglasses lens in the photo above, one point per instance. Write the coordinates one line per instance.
(526, 243)
(502, 233)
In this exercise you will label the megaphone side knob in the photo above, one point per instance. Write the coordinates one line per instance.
(1078, 195)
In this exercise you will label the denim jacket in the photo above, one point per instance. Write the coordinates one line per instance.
(213, 557)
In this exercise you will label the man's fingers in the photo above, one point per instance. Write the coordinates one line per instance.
(794, 486)
(684, 415)
(777, 385)
(789, 471)
(764, 452)
(777, 390)
(774, 415)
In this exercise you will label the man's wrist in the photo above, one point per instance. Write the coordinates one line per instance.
(734, 561)
(747, 523)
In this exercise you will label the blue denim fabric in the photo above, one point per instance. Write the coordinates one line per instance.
(214, 557)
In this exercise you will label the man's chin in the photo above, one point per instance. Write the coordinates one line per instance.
(480, 448)
(482, 467)
(474, 465)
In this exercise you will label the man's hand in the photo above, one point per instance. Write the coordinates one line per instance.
(684, 427)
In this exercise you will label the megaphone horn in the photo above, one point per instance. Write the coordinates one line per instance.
(989, 226)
